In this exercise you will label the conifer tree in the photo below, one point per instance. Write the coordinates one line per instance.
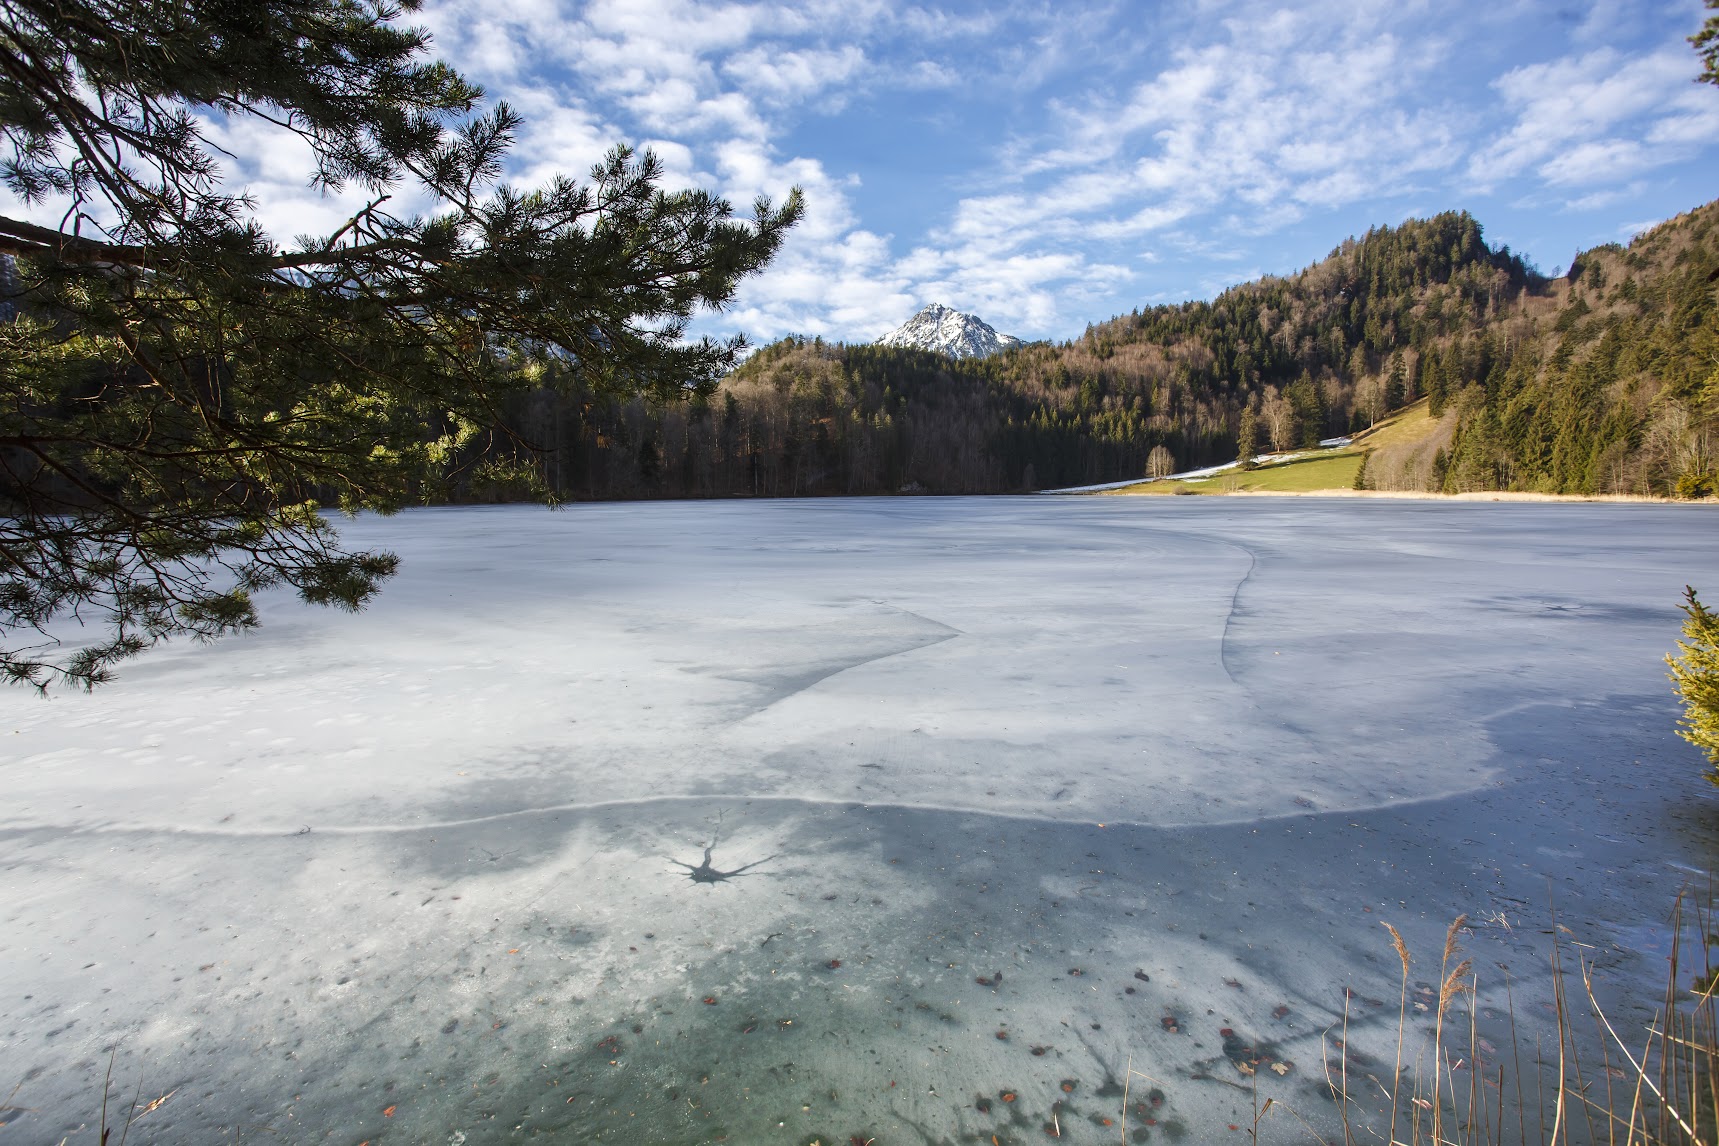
(1395, 381)
(182, 394)
(1438, 389)
(1695, 675)
(1247, 439)
(1706, 43)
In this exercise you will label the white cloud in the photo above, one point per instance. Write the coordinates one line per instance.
(274, 166)
(793, 76)
(1275, 112)
(1599, 117)
(710, 86)
(1199, 133)
(726, 81)
(1609, 197)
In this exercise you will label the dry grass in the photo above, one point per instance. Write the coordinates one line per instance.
(1658, 1086)
(1333, 470)
(1406, 426)
(1402, 447)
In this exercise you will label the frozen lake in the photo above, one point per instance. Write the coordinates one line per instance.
(437, 873)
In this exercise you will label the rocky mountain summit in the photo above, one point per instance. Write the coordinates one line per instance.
(949, 332)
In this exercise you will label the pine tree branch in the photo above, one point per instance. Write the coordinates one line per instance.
(29, 240)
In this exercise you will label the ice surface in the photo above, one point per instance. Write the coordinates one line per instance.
(424, 859)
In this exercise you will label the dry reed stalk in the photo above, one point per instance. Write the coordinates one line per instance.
(1127, 1077)
(1539, 1085)
(1567, 1034)
(1605, 1062)
(1516, 1063)
(1311, 1133)
(1704, 1008)
(1339, 1092)
(1450, 982)
(1683, 1083)
(1668, 1062)
(1641, 1069)
(1402, 1024)
(1259, 1112)
(1563, 1091)
(1638, 1107)
(1476, 1096)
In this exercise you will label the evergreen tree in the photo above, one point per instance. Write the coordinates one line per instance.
(1706, 43)
(1247, 439)
(1395, 381)
(181, 394)
(1308, 407)
(1696, 677)
(1437, 384)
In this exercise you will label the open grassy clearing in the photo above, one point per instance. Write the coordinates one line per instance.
(1334, 470)
(1410, 424)
(1328, 470)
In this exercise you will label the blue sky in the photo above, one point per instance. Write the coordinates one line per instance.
(1047, 165)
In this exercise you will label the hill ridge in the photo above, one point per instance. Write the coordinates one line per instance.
(1604, 380)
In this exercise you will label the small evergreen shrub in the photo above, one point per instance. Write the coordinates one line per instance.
(1695, 675)
(1694, 486)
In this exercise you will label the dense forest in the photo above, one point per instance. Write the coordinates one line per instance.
(1605, 380)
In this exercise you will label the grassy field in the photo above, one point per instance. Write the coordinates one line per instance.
(1410, 424)
(1334, 470)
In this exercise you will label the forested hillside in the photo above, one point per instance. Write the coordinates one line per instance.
(1606, 380)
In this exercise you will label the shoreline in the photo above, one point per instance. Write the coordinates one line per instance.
(1415, 495)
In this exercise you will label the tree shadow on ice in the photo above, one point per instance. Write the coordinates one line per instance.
(705, 872)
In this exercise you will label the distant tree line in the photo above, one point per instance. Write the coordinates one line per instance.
(1601, 381)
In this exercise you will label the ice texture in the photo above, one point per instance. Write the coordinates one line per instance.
(697, 822)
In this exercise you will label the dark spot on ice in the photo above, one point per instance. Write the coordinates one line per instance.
(705, 872)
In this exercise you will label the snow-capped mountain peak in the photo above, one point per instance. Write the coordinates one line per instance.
(949, 332)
